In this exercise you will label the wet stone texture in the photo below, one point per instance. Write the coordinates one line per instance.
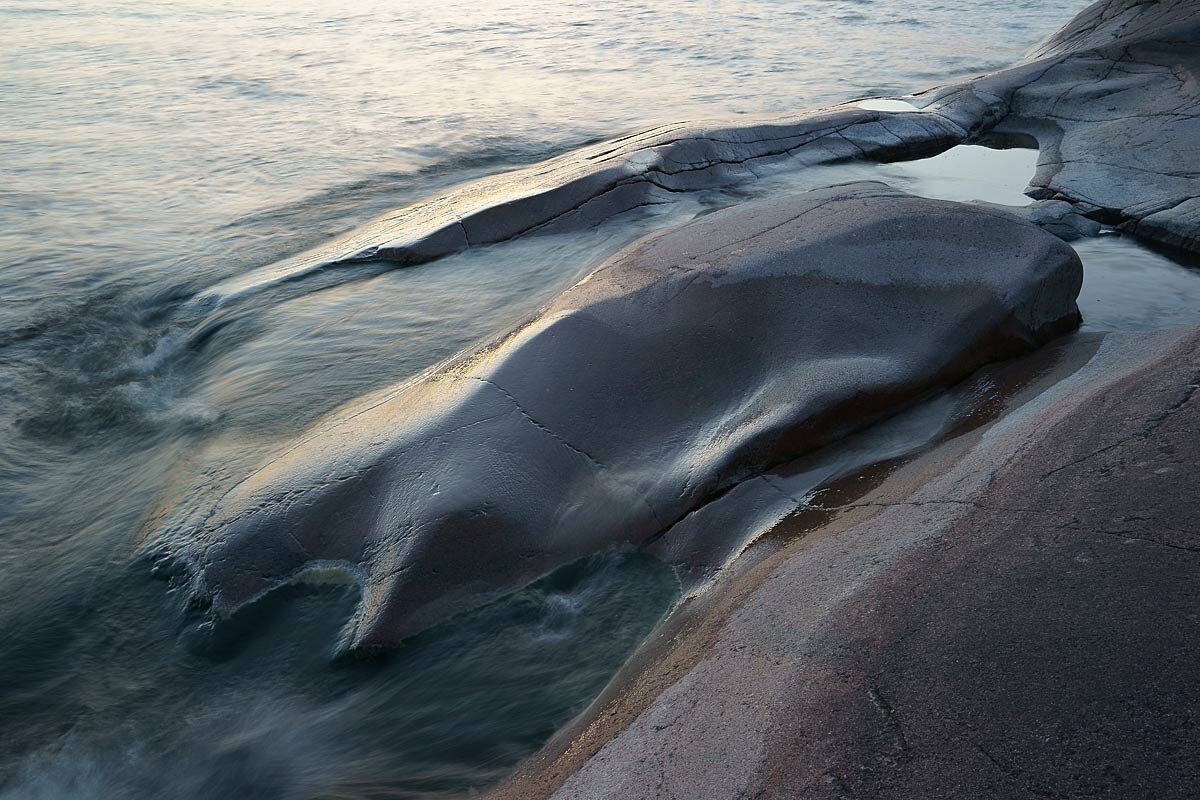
(694, 360)
(1014, 615)
(1112, 101)
(1021, 622)
(1046, 644)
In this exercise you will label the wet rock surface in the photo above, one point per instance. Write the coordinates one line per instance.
(1113, 101)
(1011, 615)
(690, 362)
(586, 187)
(1019, 624)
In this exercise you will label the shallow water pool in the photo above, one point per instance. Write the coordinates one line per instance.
(1126, 285)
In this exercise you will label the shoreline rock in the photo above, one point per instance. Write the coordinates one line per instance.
(1011, 614)
(697, 358)
(1113, 102)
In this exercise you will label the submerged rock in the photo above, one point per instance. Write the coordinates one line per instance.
(583, 188)
(693, 360)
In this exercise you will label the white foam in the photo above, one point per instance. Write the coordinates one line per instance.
(885, 104)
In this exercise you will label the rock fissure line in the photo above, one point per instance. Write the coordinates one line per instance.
(1150, 425)
(891, 719)
(536, 424)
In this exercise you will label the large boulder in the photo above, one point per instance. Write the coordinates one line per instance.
(693, 360)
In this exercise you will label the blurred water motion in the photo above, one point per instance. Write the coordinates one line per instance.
(151, 150)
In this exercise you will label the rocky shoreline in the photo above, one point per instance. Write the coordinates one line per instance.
(669, 377)
(1002, 604)
(1110, 100)
(1013, 612)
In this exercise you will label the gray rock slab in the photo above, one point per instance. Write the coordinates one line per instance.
(585, 187)
(681, 367)
(1113, 102)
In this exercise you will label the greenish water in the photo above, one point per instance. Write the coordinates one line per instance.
(127, 706)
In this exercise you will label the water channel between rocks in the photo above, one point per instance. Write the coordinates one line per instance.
(1126, 285)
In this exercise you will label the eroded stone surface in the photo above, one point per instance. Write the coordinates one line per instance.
(1022, 623)
(588, 186)
(686, 364)
(1113, 101)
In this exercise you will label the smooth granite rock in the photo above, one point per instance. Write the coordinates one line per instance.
(1056, 216)
(1113, 101)
(1013, 615)
(583, 188)
(690, 362)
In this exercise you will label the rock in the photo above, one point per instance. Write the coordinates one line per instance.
(712, 538)
(1058, 217)
(583, 188)
(1177, 227)
(1011, 615)
(690, 362)
(1113, 101)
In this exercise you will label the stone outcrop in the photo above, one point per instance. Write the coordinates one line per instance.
(586, 187)
(1011, 615)
(690, 362)
(1113, 102)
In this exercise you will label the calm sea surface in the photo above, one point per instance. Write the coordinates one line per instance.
(151, 150)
